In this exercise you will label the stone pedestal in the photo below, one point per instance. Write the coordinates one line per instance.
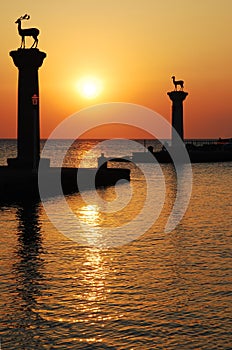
(177, 98)
(28, 62)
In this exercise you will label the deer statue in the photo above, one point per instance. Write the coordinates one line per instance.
(34, 32)
(178, 82)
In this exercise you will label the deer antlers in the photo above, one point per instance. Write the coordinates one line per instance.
(26, 16)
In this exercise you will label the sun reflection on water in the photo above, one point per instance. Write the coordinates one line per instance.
(90, 215)
(161, 291)
(94, 275)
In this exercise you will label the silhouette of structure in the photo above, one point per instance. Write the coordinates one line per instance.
(28, 62)
(177, 97)
(199, 152)
(19, 179)
(34, 32)
(178, 82)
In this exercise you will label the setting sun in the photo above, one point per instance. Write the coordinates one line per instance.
(89, 87)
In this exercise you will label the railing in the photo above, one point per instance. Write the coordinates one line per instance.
(200, 142)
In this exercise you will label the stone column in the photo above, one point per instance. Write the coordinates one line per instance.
(28, 62)
(177, 98)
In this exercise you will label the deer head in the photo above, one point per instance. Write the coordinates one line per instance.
(26, 16)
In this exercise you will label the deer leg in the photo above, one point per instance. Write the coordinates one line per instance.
(35, 43)
(23, 42)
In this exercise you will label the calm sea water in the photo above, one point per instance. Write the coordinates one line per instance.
(161, 291)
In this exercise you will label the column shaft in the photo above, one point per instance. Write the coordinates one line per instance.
(177, 98)
(28, 62)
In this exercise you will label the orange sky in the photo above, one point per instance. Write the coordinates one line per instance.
(133, 47)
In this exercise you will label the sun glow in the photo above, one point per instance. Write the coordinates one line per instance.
(89, 87)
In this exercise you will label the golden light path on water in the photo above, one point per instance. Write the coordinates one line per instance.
(163, 290)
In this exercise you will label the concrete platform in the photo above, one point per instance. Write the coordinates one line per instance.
(16, 183)
(196, 156)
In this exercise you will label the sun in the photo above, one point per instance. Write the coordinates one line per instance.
(89, 87)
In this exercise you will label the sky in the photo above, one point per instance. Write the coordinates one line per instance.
(129, 49)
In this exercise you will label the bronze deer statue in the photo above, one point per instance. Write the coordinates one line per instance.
(178, 82)
(34, 32)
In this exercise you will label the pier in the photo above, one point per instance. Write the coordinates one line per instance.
(23, 184)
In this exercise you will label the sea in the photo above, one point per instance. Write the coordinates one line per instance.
(154, 289)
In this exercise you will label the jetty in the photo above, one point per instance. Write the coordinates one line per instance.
(199, 151)
(21, 183)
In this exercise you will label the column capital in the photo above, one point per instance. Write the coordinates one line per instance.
(28, 58)
(177, 96)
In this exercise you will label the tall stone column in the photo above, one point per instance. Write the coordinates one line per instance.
(28, 62)
(177, 98)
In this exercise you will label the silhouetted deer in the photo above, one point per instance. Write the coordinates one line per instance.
(34, 32)
(178, 82)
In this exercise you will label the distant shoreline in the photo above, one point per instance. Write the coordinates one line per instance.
(228, 139)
